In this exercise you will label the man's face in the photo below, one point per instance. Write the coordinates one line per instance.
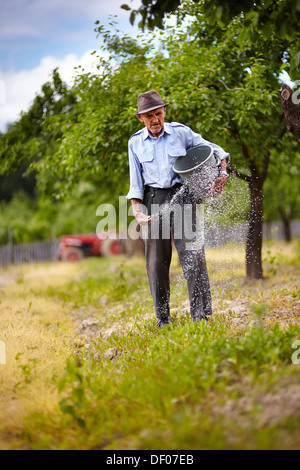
(154, 120)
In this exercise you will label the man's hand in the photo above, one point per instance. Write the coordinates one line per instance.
(219, 184)
(142, 219)
(217, 187)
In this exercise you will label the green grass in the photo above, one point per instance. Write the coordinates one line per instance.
(159, 381)
(188, 385)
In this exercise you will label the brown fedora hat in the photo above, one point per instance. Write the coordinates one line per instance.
(149, 101)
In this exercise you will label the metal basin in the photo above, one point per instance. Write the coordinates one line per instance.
(194, 159)
(199, 169)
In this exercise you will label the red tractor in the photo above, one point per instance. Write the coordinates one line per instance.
(76, 247)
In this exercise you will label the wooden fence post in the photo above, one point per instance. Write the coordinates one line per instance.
(10, 247)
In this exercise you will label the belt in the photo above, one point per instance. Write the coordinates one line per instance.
(151, 188)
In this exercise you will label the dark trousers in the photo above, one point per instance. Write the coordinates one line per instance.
(158, 253)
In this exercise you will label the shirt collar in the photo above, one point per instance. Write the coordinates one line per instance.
(167, 129)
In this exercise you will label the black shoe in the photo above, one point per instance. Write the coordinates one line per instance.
(200, 318)
(163, 321)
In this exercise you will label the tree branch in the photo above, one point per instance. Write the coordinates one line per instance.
(282, 132)
(248, 158)
(227, 88)
(207, 87)
(239, 174)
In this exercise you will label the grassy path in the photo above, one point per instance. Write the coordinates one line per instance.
(87, 368)
(37, 330)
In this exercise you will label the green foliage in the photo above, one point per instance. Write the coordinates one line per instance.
(281, 193)
(225, 92)
(266, 19)
(19, 216)
(239, 109)
(33, 220)
(271, 258)
(152, 12)
(35, 134)
(231, 207)
(220, 86)
(9, 184)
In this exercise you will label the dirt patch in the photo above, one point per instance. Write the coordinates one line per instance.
(274, 408)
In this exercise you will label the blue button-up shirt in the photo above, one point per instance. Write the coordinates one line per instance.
(151, 159)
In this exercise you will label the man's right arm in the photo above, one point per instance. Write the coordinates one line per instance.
(136, 190)
(141, 218)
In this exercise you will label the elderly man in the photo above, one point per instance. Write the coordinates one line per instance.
(152, 154)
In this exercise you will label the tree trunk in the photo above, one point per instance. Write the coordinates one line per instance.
(255, 230)
(287, 228)
(286, 218)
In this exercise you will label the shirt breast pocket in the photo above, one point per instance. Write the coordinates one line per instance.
(146, 156)
(176, 152)
(146, 159)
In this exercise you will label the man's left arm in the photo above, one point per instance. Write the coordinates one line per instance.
(221, 181)
(222, 158)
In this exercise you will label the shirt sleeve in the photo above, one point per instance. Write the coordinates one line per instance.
(136, 189)
(196, 139)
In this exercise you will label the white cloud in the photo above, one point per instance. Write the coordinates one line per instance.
(38, 18)
(28, 26)
(21, 87)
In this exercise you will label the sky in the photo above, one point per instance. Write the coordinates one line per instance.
(37, 36)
